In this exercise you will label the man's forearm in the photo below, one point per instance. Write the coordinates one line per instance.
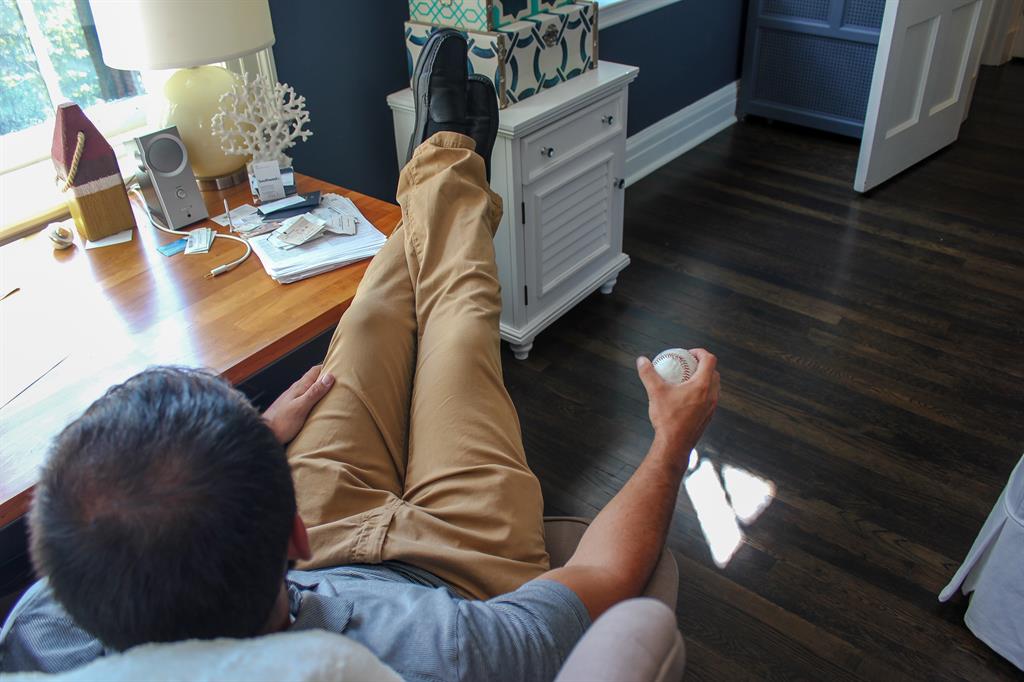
(619, 551)
(621, 547)
(629, 533)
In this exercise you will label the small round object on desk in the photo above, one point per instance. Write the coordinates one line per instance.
(61, 236)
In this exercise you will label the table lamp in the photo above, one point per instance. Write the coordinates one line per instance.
(189, 36)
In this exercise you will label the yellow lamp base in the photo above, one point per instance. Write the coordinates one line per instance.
(193, 97)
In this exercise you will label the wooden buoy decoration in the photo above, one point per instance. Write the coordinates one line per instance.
(89, 177)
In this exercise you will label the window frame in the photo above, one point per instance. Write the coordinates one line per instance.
(614, 12)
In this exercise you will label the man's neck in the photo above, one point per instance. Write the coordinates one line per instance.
(280, 615)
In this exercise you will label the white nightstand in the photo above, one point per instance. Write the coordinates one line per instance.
(559, 166)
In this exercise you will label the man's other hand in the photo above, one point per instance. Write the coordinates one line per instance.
(288, 413)
(680, 412)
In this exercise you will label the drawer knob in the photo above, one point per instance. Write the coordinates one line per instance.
(609, 119)
(547, 151)
(620, 183)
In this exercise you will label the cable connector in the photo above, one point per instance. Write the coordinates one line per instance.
(220, 270)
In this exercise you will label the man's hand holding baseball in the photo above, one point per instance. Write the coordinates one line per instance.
(679, 413)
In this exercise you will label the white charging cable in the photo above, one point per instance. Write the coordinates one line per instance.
(220, 269)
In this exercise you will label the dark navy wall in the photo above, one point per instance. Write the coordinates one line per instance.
(346, 56)
(685, 51)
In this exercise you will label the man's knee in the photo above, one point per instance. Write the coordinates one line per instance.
(377, 319)
(470, 335)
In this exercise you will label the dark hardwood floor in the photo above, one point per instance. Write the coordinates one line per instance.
(872, 359)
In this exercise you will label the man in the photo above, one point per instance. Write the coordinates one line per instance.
(167, 511)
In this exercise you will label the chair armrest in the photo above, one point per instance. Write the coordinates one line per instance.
(635, 640)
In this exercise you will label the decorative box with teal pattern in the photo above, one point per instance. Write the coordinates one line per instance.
(548, 5)
(478, 15)
(528, 56)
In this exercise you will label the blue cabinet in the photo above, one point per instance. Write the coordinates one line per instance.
(810, 62)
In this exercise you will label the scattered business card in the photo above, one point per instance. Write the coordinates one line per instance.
(236, 215)
(172, 248)
(199, 240)
(269, 184)
(297, 231)
(280, 204)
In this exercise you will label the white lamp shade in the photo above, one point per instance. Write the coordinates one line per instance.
(170, 34)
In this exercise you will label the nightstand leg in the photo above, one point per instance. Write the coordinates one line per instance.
(521, 351)
(607, 287)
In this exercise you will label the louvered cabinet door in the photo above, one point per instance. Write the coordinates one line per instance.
(573, 227)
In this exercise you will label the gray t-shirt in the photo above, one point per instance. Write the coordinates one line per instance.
(406, 616)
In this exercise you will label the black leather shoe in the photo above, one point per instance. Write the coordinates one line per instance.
(439, 87)
(482, 113)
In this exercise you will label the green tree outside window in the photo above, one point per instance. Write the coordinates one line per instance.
(23, 97)
(67, 34)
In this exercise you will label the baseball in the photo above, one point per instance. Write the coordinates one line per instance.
(675, 365)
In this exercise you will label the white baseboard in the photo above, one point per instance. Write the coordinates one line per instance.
(678, 133)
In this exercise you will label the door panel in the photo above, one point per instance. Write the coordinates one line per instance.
(927, 55)
(951, 65)
(911, 78)
(570, 214)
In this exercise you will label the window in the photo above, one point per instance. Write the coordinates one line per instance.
(49, 54)
(616, 11)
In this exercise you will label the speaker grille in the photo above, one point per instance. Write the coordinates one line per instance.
(864, 13)
(803, 9)
(165, 155)
(819, 74)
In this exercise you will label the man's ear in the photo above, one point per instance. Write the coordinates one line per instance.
(298, 543)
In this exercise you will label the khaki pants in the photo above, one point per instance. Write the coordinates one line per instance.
(415, 454)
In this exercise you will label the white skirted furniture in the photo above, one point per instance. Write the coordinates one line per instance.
(993, 574)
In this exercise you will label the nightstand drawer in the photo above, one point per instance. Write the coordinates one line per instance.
(572, 135)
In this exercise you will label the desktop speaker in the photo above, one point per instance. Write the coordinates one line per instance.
(167, 181)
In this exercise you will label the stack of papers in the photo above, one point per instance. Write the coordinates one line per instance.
(326, 252)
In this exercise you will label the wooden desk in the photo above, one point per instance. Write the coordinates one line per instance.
(117, 310)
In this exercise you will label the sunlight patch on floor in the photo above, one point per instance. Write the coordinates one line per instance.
(723, 501)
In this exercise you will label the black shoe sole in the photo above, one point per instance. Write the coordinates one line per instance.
(421, 86)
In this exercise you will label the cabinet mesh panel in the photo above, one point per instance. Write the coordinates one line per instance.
(822, 75)
(804, 9)
(864, 13)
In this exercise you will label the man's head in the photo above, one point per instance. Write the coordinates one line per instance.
(165, 512)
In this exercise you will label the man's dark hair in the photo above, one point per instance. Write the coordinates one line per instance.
(164, 512)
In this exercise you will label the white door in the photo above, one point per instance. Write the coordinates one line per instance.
(928, 54)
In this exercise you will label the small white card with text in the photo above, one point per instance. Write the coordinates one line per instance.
(269, 184)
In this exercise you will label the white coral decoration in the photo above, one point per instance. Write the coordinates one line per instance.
(261, 119)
